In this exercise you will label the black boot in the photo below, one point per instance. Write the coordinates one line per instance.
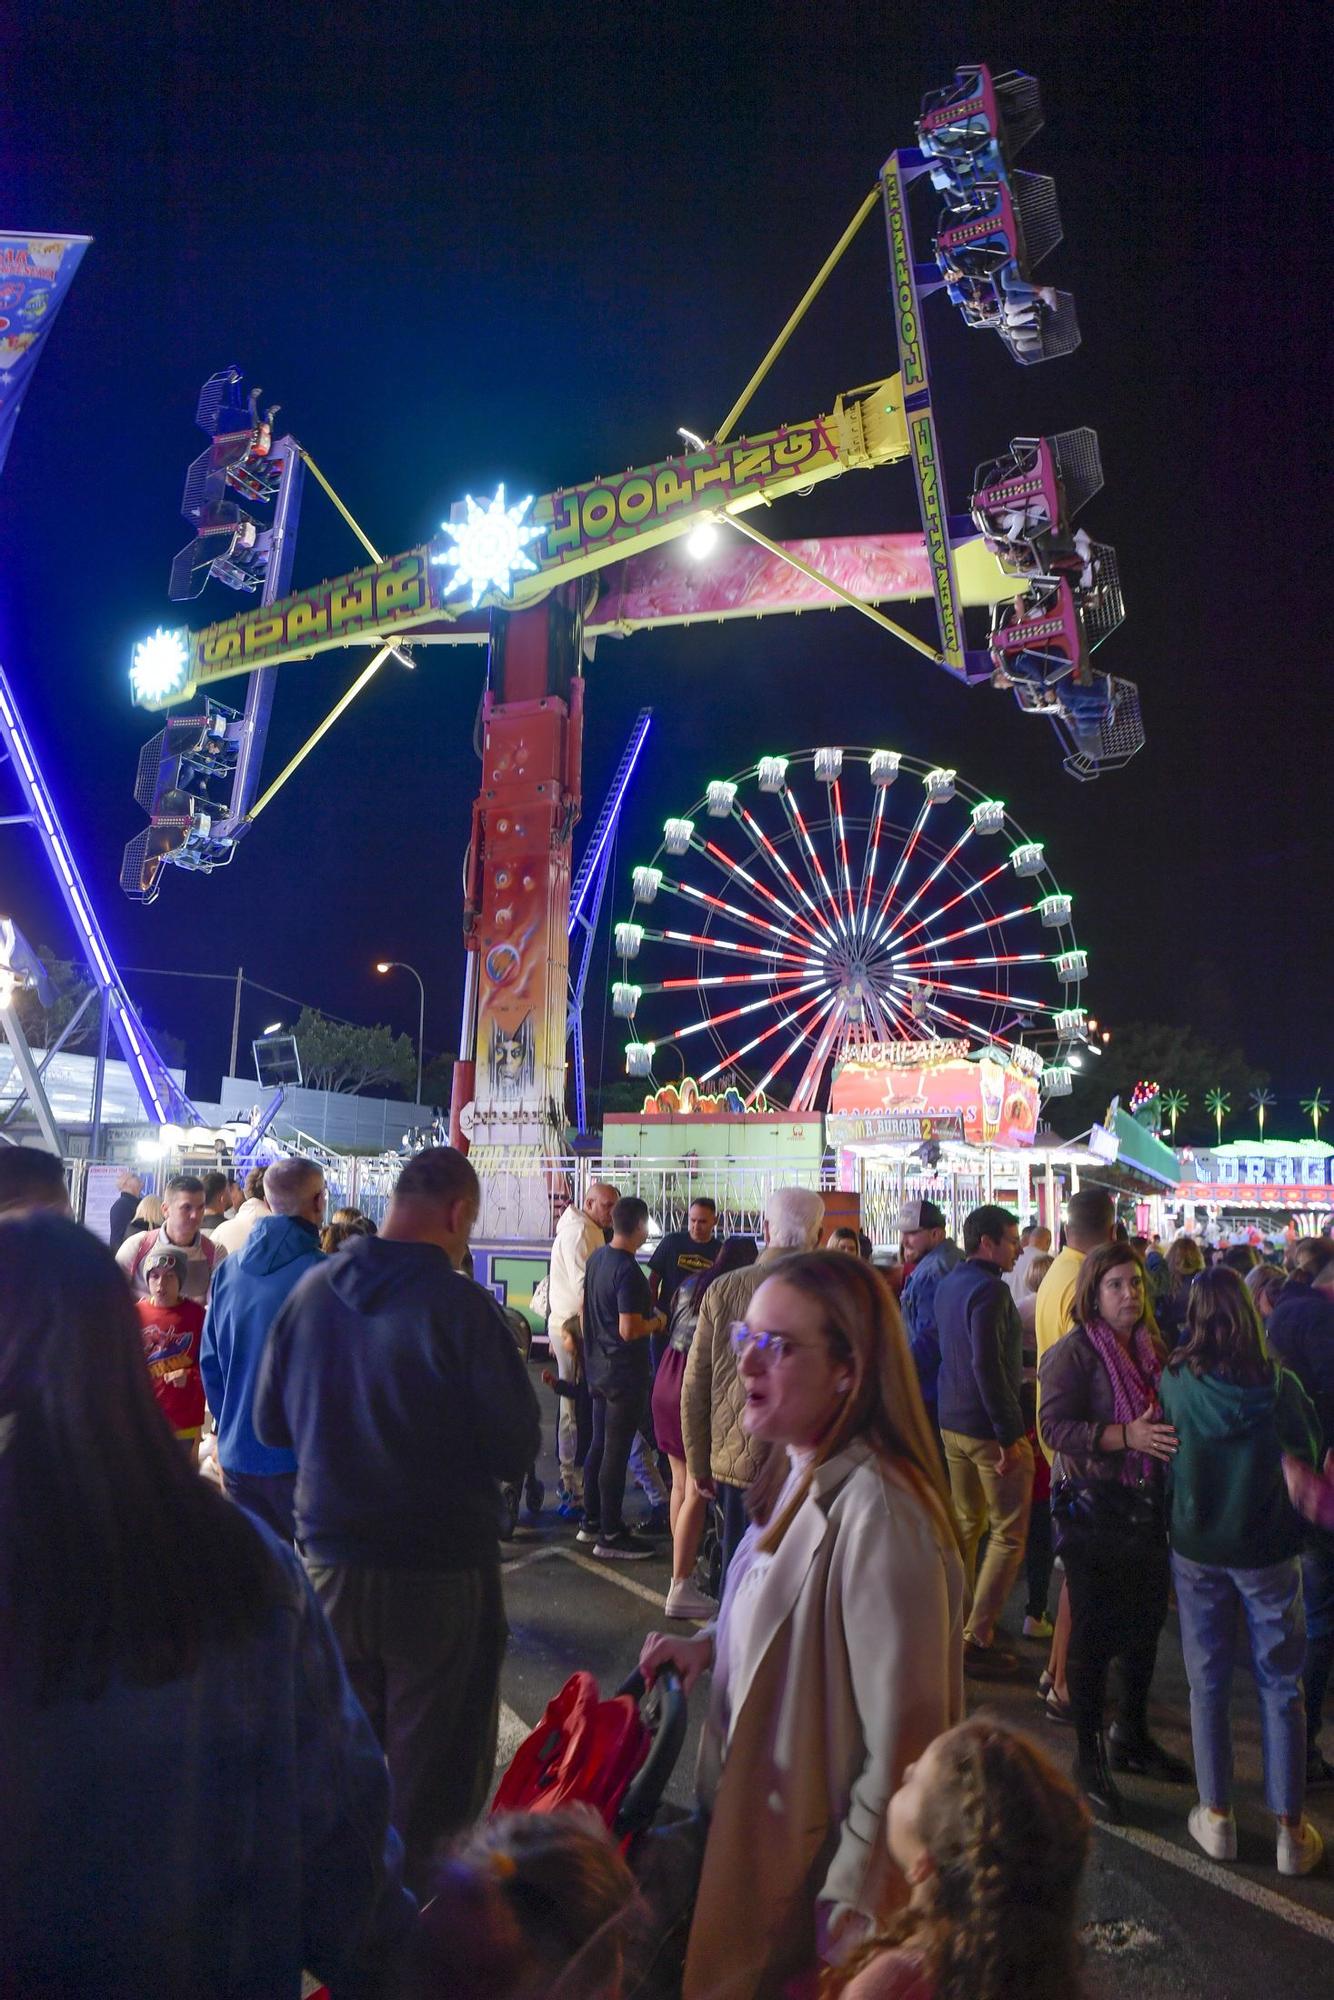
(1095, 1780)
(1137, 1751)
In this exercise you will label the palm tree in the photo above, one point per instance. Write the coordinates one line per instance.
(1260, 1100)
(1219, 1105)
(1314, 1106)
(1174, 1103)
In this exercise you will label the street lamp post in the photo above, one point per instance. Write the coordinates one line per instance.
(397, 965)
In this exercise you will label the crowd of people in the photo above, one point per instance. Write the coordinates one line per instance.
(249, 1711)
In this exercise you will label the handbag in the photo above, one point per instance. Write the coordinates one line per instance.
(1108, 1512)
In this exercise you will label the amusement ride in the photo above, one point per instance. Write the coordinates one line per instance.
(836, 898)
(1021, 599)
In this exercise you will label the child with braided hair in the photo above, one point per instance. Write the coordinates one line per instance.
(993, 1839)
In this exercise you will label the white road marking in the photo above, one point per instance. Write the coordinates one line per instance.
(1236, 1885)
(513, 1729)
(533, 1556)
(611, 1572)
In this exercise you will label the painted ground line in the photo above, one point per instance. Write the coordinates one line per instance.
(1236, 1885)
(611, 1573)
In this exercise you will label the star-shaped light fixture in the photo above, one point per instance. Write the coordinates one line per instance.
(489, 545)
(160, 666)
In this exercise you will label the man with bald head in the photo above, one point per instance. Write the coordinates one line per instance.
(283, 1245)
(579, 1233)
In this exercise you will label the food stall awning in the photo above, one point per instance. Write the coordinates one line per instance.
(1129, 1157)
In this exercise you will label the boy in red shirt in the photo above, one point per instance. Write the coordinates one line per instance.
(171, 1328)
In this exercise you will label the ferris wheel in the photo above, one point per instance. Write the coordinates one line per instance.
(836, 897)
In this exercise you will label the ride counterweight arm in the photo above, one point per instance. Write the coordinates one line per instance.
(582, 529)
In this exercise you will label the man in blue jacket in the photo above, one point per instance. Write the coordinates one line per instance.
(277, 1254)
(987, 1452)
(932, 1253)
(398, 1384)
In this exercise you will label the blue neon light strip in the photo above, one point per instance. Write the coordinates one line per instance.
(611, 813)
(162, 1098)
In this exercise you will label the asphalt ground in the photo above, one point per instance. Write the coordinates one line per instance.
(1162, 1919)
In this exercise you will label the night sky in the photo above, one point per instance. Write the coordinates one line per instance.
(466, 244)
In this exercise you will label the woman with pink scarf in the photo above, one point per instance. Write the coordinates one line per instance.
(1103, 1422)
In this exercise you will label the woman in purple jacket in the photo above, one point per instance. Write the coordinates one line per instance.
(1101, 1419)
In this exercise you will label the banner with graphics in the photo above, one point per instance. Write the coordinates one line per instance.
(914, 1090)
(35, 274)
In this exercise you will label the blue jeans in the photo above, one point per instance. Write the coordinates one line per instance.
(1318, 1599)
(1270, 1600)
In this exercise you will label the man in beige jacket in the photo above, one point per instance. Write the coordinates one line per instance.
(720, 1458)
(579, 1233)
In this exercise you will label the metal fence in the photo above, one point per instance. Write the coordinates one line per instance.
(523, 1194)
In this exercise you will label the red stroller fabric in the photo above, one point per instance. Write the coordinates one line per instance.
(584, 1751)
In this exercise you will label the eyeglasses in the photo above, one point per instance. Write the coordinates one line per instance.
(767, 1347)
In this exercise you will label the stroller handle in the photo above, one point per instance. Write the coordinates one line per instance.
(667, 1719)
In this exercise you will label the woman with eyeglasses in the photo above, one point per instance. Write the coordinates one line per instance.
(837, 1655)
(1102, 1421)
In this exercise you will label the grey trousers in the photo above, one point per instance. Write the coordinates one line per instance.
(423, 1651)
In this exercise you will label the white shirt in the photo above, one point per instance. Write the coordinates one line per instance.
(577, 1237)
(1015, 1278)
(750, 1565)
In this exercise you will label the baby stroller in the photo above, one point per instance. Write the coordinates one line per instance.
(533, 1492)
(615, 1756)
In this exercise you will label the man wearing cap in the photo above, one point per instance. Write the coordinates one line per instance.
(932, 1252)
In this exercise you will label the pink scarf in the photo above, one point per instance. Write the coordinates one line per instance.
(1135, 1374)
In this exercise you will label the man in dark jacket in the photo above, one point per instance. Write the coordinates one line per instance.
(129, 1193)
(982, 1425)
(243, 1303)
(930, 1254)
(1301, 1333)
(398, 1384)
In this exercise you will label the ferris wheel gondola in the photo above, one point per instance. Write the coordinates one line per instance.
(837, 897)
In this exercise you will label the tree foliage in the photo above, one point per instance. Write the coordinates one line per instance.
(42, 1025)
(337, 1056)
(438, 1080)
(1172, 1056)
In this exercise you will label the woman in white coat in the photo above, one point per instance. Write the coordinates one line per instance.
(837, 1654)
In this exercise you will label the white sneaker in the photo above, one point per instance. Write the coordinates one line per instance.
(1216, 1836)
(684, 1601)
(1038, 1628)
(1299, 1848)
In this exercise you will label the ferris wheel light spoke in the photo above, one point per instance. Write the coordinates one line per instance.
(969, 930)
(901, 865)
(972, 889)
(730, 944)
(870, 858)
(931, 965)
(837, 790)
(774, 859)
(732, 910)
(812, 859)
(945, 861)
(1014, 1000)
(798, 1041)
(774, 1028)
(734, 870)
(736, 1013)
